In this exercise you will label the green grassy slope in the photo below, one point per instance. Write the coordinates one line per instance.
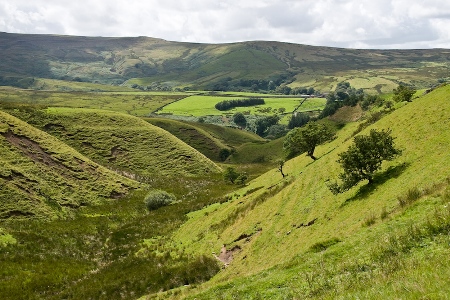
(122, 142)
(275, 224)
(42, 177)
(209, 139)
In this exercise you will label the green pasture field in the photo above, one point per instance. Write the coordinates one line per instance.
(204, 105)
(133, 103)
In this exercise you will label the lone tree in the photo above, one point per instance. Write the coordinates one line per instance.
(280, 167)
(230, 175)
(363, 158)
(306, 139)
(403, 93)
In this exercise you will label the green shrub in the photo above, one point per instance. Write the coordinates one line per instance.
(158, 198)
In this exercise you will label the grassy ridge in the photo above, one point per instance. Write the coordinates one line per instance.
(122, 142)
(275, 221)
(35, 167)
(209, 139)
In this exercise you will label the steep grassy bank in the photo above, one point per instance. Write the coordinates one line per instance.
(70, 228)
(209, 139)
(42, 177)
(121, 142)
(293, 238)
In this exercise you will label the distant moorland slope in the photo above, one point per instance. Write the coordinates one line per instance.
(150, 63)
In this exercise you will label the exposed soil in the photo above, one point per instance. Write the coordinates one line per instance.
(226, 256)
(348, 114)
(31, 149)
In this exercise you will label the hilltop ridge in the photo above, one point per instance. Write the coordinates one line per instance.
(158, 64)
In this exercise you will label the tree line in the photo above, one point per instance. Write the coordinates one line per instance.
(229, 104)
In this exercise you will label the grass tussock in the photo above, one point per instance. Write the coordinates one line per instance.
(322, 246)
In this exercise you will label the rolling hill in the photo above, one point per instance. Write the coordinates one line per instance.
(122, 142)
(292, 237)
(155, 64)
(42, 177)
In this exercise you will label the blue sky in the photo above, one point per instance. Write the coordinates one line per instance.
(381, 24)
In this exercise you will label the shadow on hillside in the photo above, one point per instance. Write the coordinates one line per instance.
(379, 179)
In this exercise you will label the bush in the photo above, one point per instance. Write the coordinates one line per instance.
(158, 198)
(403, 93)
(224, 153)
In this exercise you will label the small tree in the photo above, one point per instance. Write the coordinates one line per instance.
(307, 138)
(263, 123)
(403, 93)
(280, 167)
(298, 120)
(224, 153)
(364, 157)
(230, 175)
(158, 198)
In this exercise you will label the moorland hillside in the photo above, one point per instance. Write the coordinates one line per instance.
(150, 63)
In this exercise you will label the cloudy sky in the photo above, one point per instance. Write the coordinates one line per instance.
(344, 23)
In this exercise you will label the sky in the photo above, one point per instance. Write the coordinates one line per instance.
(366, 24)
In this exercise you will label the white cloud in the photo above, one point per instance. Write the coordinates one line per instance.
(343, 23)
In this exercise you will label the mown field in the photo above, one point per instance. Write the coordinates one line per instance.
(204, 105)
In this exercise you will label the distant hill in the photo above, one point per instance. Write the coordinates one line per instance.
(150, 63)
